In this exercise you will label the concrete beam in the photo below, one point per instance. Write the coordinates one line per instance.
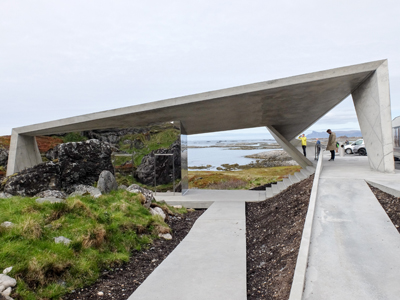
(289, 148)
(24, 153)
(372, 103)
(280, 102)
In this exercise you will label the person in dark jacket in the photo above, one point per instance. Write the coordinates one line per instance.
(331, 144)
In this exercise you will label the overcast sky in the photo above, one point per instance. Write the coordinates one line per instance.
(64, 58)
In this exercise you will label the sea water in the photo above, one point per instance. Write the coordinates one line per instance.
(227, 152)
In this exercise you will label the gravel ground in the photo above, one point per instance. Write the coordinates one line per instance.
(119, 283)
(273, 232)
(390, 204)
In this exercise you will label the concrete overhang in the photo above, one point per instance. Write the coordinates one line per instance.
(290, 104)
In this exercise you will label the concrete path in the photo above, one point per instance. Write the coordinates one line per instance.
(355, 247)
(209, 264)
(196, 198)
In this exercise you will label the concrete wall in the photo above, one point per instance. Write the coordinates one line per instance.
(372, 103)
(289, 148)
(24, 153)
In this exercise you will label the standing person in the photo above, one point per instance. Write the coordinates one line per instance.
(331, 144)
(318, 145)
(303, 143)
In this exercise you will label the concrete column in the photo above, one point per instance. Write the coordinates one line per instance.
(184, 161)
(289, 148)
(24, 153)
(372, 103)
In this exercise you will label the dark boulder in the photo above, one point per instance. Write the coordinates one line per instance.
(82, 162)
(145, 171)
(3, 157)
(29, 182)
(72, 164)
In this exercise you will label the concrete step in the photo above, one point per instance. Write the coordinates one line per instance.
(281, 186)
(275, 189)
(268, 192)
(293, 179)
(287, 182)
(300, 176)
(311, 169)
(305, 172)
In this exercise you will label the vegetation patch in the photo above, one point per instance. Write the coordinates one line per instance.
(5, 141)
(142, 144)
(73, 137)
(103, 233)
(45, 143)
(240, 179)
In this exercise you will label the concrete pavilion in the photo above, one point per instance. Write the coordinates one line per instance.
(287, 107)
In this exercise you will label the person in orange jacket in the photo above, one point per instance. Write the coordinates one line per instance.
(303, 143)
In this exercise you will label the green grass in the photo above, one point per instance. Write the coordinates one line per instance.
(73, 137)
(129, 180)
(103, 231)
(157, 139)
(240, 179)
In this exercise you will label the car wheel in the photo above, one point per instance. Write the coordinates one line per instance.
(362, 151)
(348, 151)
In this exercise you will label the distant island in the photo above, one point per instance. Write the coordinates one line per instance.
(323, 134)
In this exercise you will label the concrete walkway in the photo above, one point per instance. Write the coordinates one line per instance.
(209, 264)
(355, 247)
(196, 198)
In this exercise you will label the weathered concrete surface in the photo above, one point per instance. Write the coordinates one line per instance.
(289, 148)
(280, 103)
(199, 198)
(354, 245)
(24, 153)
(299, 276)
(209, 264)
(372, 103)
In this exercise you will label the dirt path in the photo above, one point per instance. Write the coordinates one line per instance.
(274, 228)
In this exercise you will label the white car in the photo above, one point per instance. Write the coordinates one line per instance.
(349, 149)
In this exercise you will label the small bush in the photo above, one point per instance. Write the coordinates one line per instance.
(73, 137)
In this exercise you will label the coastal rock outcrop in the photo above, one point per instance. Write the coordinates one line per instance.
(52, 193)
(82, 162)
(107, 182)
(134, 188)
(29, 182)
(3, 157)
(75, 163)
(81, 189)
(145, 171)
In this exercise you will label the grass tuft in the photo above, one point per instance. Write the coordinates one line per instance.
(31, 229)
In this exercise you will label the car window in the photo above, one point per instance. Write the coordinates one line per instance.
(359, 142)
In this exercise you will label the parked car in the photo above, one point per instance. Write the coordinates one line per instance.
(349, 149)
(360, 149)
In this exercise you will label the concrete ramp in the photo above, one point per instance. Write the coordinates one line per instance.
(355, 247)
(209, 264)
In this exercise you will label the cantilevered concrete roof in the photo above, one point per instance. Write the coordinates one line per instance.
(290, 104)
